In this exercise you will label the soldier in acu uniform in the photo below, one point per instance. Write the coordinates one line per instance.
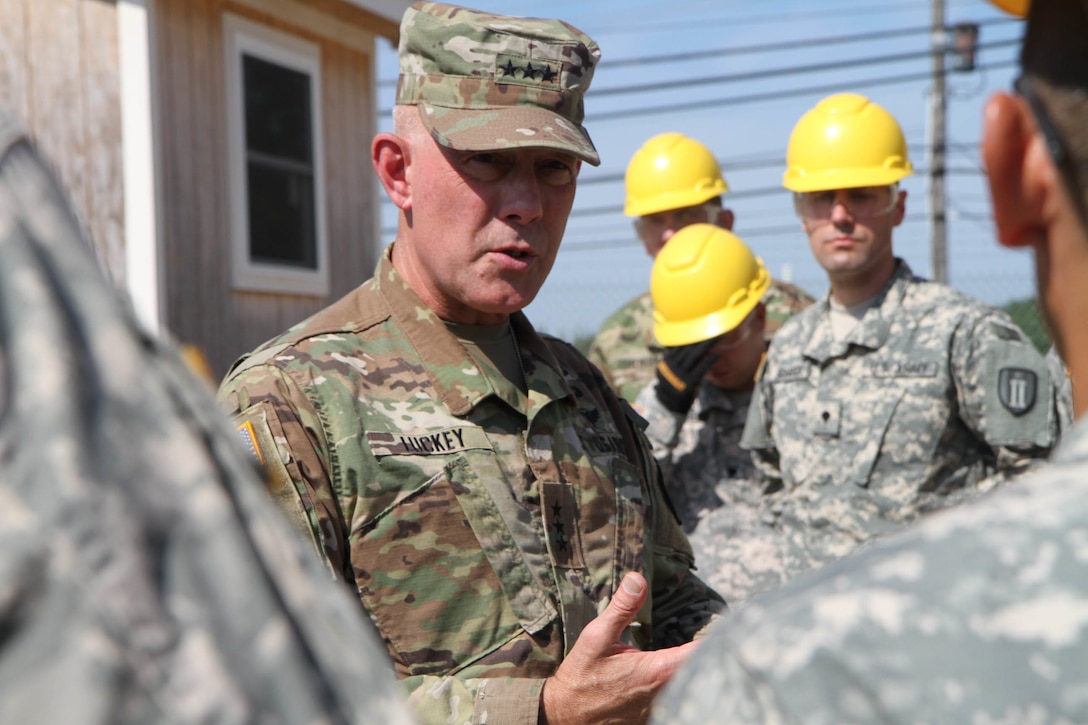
(893, 396)
(671, 181)
(707, 288)
(145, 575)
(976, 614)
(494, 505)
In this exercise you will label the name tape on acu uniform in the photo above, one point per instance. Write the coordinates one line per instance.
(457, 439)
(427, 442)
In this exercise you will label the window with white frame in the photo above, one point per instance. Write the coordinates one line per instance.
(276, 171)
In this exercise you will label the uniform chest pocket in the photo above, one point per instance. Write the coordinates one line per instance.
(427, 578)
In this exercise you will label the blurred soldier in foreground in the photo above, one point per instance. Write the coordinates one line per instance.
(707, 286)
(671, 181)
(979, 614)
(145, 575)
(894, 396)
(491, 500)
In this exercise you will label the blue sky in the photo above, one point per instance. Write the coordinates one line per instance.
(850, 45)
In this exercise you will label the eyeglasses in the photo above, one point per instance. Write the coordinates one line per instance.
(866, 202)
(1055, 142)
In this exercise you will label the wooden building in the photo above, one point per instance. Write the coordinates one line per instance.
(218, 151)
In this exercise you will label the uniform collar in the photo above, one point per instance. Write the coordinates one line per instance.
(457, 380)
(872, 330)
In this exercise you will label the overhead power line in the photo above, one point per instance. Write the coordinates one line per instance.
(787, 71)
(746, 234)
(776, 95)
(645, 60)
(769, 160)
(780, 46)
(757, 192)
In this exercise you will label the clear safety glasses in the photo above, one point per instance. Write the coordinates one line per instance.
(736, 336)
(866, 202)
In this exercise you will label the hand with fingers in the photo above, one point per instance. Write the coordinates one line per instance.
(680, 372)
(604, 681)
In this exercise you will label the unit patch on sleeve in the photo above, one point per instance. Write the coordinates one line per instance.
(1016, 389)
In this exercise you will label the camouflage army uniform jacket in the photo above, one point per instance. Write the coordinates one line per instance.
(145, 575)
(625, 349)
(711, 481)
(974, 615)
(932, 393)
(700, 455)
(481, 540)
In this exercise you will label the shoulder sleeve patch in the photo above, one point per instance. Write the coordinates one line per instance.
(257, 438)
(1018, 398)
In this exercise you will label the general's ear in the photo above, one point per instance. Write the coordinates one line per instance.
(1016, 172)
(391, 156)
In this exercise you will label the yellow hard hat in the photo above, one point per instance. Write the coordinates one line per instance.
(844, 142)
(1014, 7)
(704, 283)
(671, 171)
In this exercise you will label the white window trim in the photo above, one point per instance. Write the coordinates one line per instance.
(244, 36)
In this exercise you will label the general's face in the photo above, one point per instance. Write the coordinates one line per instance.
(850, 230)
(485, 227)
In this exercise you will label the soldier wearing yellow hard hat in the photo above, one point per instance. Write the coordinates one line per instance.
(975, 615)
(671, 181)
(894, 396)
(707, 289)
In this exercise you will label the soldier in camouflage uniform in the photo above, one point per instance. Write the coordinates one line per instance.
(975, 615)
(1063, 387)
(671, 181)
(707, 287)
(893, 396)
(146, 577)
(492, 502)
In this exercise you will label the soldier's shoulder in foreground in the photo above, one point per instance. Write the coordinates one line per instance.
(961, 618)
(145, 562)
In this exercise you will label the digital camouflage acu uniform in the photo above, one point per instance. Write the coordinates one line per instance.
(975, 615)
(932, 398)
(701, 460)
(626, 352)
(1063, 388)
(483, 529)
(711, 481)
(145, 575)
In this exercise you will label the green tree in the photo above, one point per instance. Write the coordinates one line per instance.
(1025, 313)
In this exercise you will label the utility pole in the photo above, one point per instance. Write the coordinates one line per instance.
(938, 244)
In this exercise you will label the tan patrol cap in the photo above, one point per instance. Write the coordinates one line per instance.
(485, 82)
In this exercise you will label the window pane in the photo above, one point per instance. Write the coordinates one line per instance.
(281, 216)
(277, 109)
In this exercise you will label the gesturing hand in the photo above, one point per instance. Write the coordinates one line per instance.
(680, 372)
(605, 681)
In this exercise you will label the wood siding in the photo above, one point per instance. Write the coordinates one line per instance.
(59, 77)
(202, 307)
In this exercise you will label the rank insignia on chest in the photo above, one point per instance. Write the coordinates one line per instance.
(1016, 388)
